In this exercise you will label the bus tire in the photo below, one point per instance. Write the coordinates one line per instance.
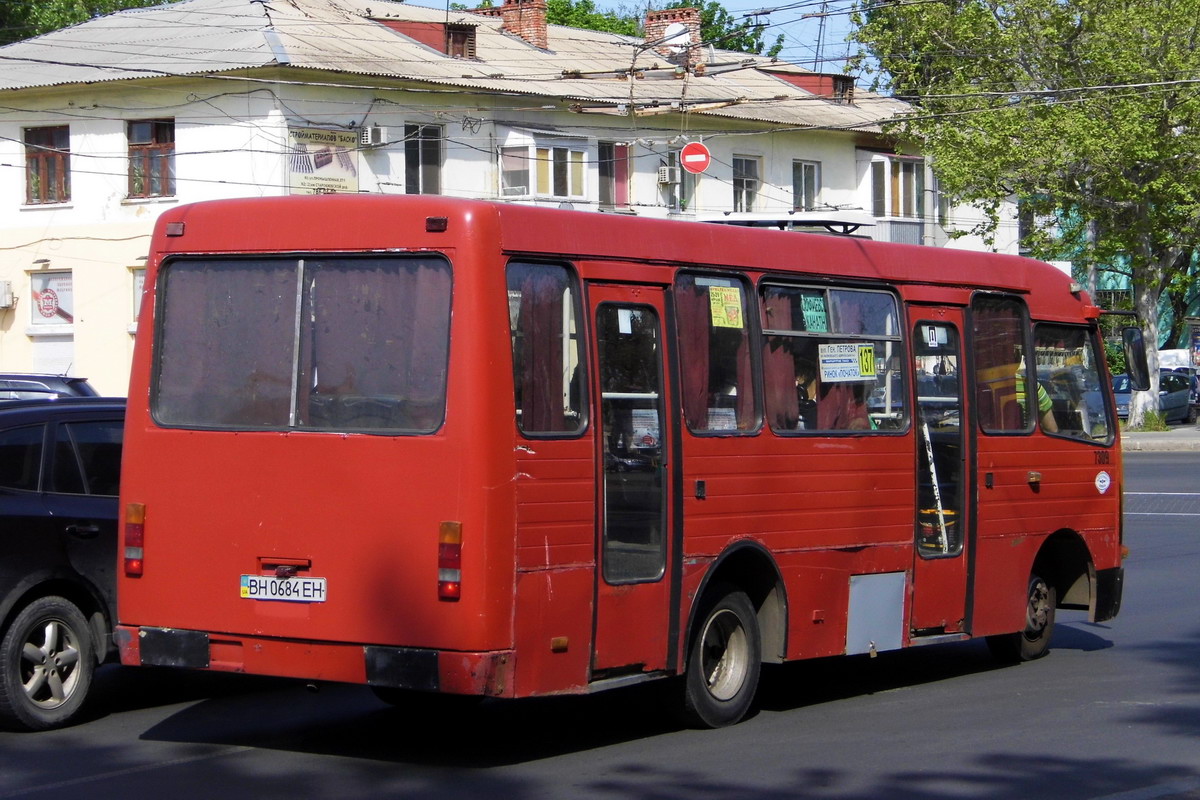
(46, 665)
(724, 662)
(1034, 641)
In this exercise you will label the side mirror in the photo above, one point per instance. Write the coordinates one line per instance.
(1135, 358)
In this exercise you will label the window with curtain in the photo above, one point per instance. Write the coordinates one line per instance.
(548, 368)
(832, 359)
(543, 170)
(898, 187)
(715, 354)
(613, 167)
(319, 343)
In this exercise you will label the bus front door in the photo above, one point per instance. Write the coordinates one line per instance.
(633, 580)
(940, 571)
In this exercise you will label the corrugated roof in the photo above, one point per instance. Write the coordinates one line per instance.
(198, 37)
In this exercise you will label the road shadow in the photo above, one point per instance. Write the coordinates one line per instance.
(350, 720)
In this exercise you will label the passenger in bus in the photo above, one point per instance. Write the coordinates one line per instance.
(829, 406)
(1045, 405)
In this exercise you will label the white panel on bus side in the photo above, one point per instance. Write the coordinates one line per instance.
(876, 616)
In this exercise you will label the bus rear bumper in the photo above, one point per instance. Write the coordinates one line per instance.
(478, 673)
(1109, 586)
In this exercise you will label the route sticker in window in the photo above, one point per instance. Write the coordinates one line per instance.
(847, 362)
(725, 303)
(815, 318)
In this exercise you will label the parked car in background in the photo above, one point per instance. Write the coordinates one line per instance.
(60, 466)
(1174, 396)
(35, 386)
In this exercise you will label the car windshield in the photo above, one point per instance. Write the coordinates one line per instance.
(1120, 383)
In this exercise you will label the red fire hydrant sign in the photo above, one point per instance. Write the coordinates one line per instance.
(694, 157)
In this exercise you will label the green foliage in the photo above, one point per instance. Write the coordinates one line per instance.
(717, 26)
(21, 19)
(1114, 354)
(583, 14)
(1152, 421)
(1086, 111)
(723, 30)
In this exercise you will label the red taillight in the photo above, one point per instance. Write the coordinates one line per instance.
(135, 539)
(450, 561)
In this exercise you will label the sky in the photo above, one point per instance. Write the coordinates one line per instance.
(811, 40)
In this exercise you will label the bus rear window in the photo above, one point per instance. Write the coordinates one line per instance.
(318, 343)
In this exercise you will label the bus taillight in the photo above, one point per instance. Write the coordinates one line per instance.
(135, 538)
(450, 561)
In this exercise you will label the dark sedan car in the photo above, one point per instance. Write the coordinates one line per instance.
(60, 466)
(42, 386)
(1174, 397)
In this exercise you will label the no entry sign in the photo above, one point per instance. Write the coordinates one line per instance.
(694, 157)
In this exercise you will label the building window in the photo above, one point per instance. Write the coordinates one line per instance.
(806, 185)
(680, 187)
(151, 158)
(898, 187)
(613, 163)
(423, 159)
(53, 298)
(745, 182)
(47, 165)
(543, 171)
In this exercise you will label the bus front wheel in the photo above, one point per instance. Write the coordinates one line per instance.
(724, 663)
(1034, 641)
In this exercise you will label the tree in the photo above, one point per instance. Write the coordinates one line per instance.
(21, 19)
(1086, 111)
(583, 14)
(717, 26)
(721, 29)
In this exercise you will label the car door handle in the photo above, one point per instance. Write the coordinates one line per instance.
(84, 531)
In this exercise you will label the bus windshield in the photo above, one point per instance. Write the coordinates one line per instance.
(340, 343)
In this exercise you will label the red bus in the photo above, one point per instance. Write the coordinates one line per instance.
(445, 446)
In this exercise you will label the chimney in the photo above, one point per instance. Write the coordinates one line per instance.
(683, 48)
(524, 18)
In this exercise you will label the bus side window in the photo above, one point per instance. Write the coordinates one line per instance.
(548, 372)
(714, 350)
(1068, 372)
(999, 343)
(832, 360)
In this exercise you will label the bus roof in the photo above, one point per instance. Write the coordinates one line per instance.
(374, 223)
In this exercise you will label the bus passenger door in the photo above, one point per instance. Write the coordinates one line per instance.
(633, 581)
(940, 571)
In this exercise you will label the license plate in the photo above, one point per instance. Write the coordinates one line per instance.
(296, 590)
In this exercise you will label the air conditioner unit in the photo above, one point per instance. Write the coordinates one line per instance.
(6, 295)
(514, 191)
(668, 174)
(373, 136)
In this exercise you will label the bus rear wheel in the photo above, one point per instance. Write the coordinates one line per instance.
(1034, 641)
(724, 663)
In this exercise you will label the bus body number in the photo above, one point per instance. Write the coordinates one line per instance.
(296, 590)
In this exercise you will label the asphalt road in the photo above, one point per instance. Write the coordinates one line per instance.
(1113, 712)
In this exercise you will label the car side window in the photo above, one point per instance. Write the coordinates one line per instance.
(21, 457)
(87, 458)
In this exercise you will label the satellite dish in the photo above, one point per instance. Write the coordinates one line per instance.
(677, 37)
